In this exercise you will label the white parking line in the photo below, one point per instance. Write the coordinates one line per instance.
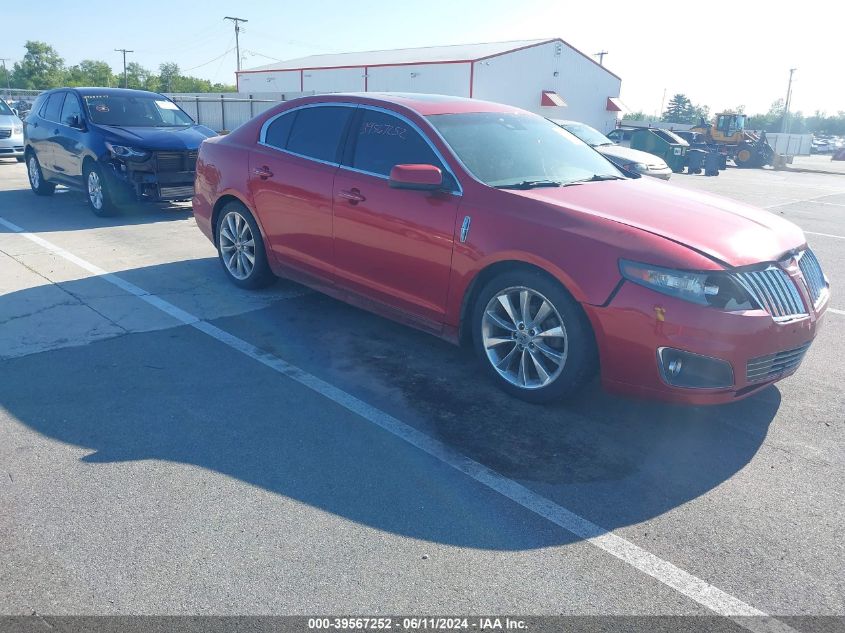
(838, 237)
(681, 581)
(835, 311)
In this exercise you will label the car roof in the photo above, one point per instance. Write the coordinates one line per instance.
(424, 104)
(113, 92)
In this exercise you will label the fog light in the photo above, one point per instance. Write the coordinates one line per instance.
(685, 369)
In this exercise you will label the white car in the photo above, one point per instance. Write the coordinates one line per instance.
(11, 133)
(624, 157)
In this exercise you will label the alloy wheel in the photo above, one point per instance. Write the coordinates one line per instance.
(237, 245)
(34, 174)
(524, 337)
(95, 190)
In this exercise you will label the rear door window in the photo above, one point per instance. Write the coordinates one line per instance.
(53, 109)
(279, 130)
(383, 141)
(317, 132)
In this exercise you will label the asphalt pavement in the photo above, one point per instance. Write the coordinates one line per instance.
(170, 444)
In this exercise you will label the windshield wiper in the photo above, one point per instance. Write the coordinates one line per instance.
(529, 184)
(594, 178)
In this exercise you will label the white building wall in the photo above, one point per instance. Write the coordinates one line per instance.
(520, 77)
(333, 80)
(447, 79)
(270, 81)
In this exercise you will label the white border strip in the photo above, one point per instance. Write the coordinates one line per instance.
(665, 572)
(838, 237)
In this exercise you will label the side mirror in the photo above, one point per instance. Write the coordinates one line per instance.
(75, 121)
(419, 177)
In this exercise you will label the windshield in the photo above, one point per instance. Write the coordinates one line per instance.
(4, 109)
(135, 111)
(502, 149)
(589, 135)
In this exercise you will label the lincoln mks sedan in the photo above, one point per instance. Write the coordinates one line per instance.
(491, 226)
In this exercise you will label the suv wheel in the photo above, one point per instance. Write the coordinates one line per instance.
(36, 177)
(532, 337)
(241, 248)
(96, 191)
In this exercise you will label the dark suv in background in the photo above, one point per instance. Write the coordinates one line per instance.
(116, 145)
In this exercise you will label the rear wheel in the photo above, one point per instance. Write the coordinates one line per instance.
(532, 337)
(97, 192)
(241, 248)
(36, 177)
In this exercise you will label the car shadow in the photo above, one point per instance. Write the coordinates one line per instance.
(177, 395)
(67, 210)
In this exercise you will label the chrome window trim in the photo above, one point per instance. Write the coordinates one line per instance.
(445, 165)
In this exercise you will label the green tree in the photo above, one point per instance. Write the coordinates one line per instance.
(91, 72)
(41, 68)
(168, 74)
(681, 110)
(139, 77)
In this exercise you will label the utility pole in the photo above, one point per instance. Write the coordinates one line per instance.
(785, 124)
(237, 24)
(124, 51)
(600, 55)
(6, 72)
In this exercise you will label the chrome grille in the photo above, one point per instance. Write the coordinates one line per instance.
(774, 365)
(774, 291)
(5, 133)
(813, 275)
(177, 161)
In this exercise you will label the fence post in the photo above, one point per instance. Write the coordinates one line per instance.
(251, 107)
(223, 112)
(198, 110)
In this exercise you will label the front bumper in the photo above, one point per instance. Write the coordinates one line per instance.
(11, 147)
(638, 321)
(156, 179)
(663, 174)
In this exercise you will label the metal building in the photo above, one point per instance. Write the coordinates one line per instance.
(548, 77)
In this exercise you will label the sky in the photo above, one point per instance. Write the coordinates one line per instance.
(720, 54)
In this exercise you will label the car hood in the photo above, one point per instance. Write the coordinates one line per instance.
(9, 120)
(158, 138)
(630, 155)
(730, 232)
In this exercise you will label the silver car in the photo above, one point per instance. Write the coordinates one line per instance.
(11, 133)
(625, 157)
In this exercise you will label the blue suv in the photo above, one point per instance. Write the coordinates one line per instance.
(116, 145)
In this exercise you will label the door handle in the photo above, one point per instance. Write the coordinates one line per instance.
(353, 195)
(263, 172)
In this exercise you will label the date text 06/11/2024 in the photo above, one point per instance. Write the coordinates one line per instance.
(416, 623)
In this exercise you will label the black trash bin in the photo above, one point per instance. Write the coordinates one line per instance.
(695, 158)
(711, 163)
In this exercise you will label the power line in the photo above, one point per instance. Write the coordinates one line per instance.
(237, 23)
(124, 51)
(226, 52)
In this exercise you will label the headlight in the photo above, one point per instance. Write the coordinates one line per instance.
(638, 167)
(717, 288)
(127, 153)
(17, 129)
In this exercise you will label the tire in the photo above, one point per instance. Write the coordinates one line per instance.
(527, 368)
(239, 239)
(37, 183)
(97, 193)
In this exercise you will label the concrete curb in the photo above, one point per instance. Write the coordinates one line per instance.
(805, 170)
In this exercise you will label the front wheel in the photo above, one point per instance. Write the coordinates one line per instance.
(98, 195)
(37, 183)
(241, 248)
(532, 337)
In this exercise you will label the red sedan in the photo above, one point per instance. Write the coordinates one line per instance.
(483, 223)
